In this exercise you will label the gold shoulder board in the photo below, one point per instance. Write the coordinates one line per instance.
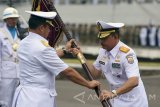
(45, 43)
(124, 49)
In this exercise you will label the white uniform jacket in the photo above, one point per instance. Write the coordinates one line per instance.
(118, 65)
(8, 57)
(39, 65)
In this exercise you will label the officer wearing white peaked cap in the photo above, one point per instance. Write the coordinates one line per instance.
(119, 64)
(9, 42)
(40, 64)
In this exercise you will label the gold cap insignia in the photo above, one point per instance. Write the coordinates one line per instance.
(99, 27)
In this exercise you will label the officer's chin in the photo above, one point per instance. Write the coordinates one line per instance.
(103, 46)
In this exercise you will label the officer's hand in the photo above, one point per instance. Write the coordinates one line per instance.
(68, 45)
(92, 84)
(71, 49)
(75, 51)
(105, 95)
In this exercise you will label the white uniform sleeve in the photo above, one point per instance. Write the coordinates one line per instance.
(96, 64)
(0, 56)
(51, 61)
(1, 44)
(131, 65)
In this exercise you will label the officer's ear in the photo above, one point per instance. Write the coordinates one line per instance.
(41, 28)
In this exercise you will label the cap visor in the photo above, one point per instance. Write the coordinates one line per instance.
(47, 15)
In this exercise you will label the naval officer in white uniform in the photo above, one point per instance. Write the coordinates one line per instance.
(9, 42)
(40, 64)
(119, 64)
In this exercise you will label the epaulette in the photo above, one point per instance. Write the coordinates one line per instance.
(124, 49)
(45, 43)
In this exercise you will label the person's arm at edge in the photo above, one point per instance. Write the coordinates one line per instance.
(75, 77)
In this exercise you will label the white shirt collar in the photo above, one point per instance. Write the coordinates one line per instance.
(35, 35)
(115, 50)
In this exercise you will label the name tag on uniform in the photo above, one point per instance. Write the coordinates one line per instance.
(5, 38)
(116, 65)
(101, 62)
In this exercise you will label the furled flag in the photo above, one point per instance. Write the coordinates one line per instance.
(56, 30)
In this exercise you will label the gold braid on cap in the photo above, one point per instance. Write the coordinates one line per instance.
(104, 34)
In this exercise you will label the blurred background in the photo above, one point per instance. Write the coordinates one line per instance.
(141, 18)
(141, 32)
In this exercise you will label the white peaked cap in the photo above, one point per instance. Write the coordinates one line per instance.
(46, 15)
(106, 26)
(10, 12)
(105, 29)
